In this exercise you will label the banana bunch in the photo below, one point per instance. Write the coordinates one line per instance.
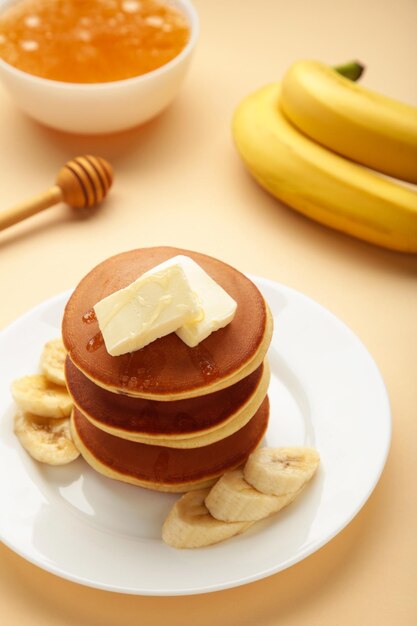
(310, 141)
(271, 479)
(42, 421)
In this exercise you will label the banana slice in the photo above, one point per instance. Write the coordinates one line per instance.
(190, 525)
(46, 440)
(36, 394)
(280, 471)
(53, 360)
(232, 499)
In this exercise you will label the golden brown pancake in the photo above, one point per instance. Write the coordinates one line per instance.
(166, 469)
(181, 423)
(167, 369)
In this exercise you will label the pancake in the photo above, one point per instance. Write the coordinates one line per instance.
(167, 369)
(181, 423)
(166, 469)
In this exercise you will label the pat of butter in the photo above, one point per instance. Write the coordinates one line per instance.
(218, 307)
(156, 304)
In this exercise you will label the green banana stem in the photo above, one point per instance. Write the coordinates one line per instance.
(352, 70)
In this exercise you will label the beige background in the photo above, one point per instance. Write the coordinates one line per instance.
(180, 182)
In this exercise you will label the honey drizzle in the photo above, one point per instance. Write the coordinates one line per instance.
(95, 342)
(203, 360)
(89, 317)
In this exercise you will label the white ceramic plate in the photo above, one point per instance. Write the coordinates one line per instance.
(326, 391)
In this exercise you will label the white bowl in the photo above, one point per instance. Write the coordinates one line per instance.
(99, 108)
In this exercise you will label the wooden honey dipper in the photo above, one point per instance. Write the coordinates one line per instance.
(82, 182)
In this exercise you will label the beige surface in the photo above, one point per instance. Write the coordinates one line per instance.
(179, 182)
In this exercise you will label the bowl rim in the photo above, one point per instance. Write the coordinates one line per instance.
(185, 6)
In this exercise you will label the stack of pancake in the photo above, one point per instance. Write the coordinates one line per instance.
(167, 417)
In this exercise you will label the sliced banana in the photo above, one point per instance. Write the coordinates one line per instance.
(190, 525)
(270, 479)
(280, 471)
(232, 499)
(46, 440)
(36, 394)
(53, 361)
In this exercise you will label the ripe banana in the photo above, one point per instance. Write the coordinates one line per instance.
(190, 525)
(233, 499)
(318, 183)
(46, 440)
(53, 360)
(280, 471)
(37, 395)
(362, 125)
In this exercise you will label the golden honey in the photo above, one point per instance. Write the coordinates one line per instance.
(91, 41)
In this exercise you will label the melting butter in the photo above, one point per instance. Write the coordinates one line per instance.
(156, 304)
(218, 308)
(175, 296)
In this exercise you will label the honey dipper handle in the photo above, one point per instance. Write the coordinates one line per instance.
(34, 205)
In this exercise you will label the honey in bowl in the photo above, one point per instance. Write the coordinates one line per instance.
(91, 41)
